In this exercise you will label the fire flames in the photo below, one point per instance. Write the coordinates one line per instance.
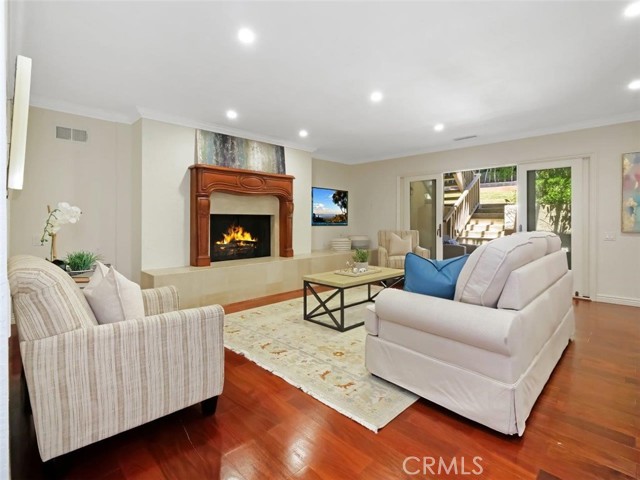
(236, 234)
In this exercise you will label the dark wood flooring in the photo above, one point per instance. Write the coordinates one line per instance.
(585, 425)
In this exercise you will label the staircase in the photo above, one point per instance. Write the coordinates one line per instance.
(486, 224)
(452, 192)
(461, 198)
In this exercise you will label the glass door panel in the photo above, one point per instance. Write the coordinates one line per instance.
(549, 196)
(553, 196)
(423, 211)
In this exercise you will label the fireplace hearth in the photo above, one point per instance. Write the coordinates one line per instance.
(234, 237)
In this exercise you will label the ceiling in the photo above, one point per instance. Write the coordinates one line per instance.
(495, 69)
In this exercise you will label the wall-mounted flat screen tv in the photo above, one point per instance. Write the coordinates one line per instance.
(329, 207)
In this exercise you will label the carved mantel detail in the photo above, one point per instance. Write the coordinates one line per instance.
(206, 179)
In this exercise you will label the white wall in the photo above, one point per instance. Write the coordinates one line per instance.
(373, 193)
(299, 165)
(338, 176)
(91, 175)
(167, 152)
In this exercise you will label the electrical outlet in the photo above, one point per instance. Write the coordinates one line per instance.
(609, 237)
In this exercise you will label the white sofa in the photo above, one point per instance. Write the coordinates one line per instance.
(488, 353)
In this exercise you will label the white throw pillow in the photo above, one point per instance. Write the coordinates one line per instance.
(114, 298)
(399, 246)
(98, 274)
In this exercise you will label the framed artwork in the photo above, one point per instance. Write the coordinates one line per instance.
(631, 192)
(234, 152)
(329, 207)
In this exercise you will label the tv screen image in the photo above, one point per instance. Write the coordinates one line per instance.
(329, 207)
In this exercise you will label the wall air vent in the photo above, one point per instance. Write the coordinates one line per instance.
(79, 135)
(468, 137)
(65, 133)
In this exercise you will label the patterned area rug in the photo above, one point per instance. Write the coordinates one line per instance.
(326, 364)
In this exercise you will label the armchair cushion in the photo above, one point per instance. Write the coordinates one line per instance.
(436, 278)
(399, 246)
(114, 298)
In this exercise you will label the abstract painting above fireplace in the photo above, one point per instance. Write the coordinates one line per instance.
(234, 237)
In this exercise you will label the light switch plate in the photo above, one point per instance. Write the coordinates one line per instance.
(609, 237)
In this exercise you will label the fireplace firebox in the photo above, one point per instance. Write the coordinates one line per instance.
(240, 236)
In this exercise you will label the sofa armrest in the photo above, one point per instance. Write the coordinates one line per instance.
(160, 300)
(483, 327)
(421, 251)
(92, 383)
(383, 256)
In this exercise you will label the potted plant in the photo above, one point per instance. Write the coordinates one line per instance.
(81, 261)
(361, 258)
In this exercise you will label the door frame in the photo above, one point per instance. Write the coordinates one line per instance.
(580, 213)
(403, 220)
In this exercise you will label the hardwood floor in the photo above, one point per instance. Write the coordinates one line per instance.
(585, 425)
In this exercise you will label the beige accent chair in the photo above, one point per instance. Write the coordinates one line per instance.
(88, 381)
(388, 258)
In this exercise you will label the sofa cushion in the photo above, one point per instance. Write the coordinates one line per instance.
(529, 281)
(399, 246)
(483, 277)
(115, 298)
(432, 277)
(553, 240)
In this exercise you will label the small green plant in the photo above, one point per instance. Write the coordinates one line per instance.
(81, 260)
(361, 255)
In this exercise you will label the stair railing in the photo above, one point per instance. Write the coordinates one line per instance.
(466, 205)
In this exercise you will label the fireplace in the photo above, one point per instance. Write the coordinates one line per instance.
(240, 236)
(206, 179)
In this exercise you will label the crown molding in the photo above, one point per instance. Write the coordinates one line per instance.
(76, 109)
(150, 114)
(492, 139)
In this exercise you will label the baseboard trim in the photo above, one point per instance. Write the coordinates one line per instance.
(631, 302)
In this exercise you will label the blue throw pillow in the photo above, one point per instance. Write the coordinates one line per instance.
(432, 277)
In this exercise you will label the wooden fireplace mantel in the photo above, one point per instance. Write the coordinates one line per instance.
(206, 179)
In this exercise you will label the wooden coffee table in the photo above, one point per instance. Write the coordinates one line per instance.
(387, 277)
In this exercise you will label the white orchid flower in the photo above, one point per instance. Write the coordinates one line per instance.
(61, 215)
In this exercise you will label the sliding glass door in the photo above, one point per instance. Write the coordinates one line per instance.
(551, 199)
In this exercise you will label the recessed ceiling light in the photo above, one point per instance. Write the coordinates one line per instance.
(376, 96)
(635, 85)
(632, 10)
(246, 36)
(438, 127)
(232, 114)
(303, 133)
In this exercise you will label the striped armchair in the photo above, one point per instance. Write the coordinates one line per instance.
(88, 381)
(387, 258)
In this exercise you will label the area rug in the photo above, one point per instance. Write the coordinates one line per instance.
(324, 363)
